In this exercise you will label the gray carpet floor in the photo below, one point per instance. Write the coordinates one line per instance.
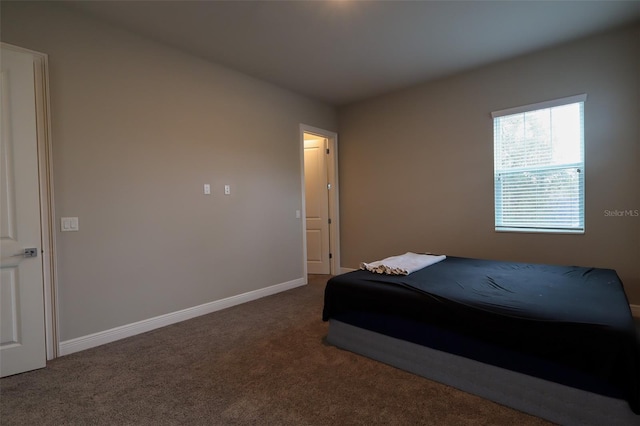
(260, 363)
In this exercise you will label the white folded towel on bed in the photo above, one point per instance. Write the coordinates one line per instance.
(403, 264)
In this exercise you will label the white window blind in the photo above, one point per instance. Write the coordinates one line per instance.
(539, 167)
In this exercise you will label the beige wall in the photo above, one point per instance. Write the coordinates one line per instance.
(416, 166)
(138, 128)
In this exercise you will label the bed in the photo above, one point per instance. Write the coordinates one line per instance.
(558, 342)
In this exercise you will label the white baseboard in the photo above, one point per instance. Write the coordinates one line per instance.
(96, 339)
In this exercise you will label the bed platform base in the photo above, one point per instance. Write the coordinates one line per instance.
(551, 401)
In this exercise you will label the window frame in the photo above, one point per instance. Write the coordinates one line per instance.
(540, 228)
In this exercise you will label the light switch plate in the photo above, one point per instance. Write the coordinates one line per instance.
(68, 224)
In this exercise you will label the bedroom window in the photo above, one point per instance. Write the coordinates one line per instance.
(539, 167)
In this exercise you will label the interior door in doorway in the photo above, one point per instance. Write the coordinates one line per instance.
(316, 204)
(22, 327)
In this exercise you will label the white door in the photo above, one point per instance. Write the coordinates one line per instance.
(316, 204)
(22, 327)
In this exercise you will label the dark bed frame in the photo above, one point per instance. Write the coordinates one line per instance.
(557, 403)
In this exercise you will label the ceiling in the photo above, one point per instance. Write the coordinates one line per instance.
(343, 51)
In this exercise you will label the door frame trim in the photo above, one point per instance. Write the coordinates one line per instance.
(47, 214)
(334, 197)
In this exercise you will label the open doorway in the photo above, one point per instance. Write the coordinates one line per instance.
(320, 196)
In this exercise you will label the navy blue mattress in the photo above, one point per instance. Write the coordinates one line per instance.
(568, 324)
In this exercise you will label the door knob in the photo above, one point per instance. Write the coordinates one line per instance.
(28, 252)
